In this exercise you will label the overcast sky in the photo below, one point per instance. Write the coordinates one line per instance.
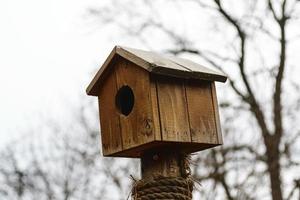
(48, 50)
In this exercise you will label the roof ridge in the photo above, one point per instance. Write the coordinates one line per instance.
(156, 63)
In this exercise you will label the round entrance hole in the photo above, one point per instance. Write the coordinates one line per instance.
(125, 100)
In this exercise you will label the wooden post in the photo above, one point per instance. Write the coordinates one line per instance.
(162, 163)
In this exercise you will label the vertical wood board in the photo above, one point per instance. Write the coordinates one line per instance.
(173, 110)
(201, 112)
(138, 127)
(109, 120)
(155, 110)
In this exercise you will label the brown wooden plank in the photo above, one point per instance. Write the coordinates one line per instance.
(109, 120)
(173, 110)
(155, 111)
(138, 127)
(194, 67)
(201, 112)
(216, 112)
(154, 59)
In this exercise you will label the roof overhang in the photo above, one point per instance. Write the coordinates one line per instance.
(156, 64)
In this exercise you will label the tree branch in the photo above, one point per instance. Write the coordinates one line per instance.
(277, 107)
(271, 7)
(250, 99)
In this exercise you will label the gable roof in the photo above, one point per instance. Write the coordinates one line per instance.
(157, 64)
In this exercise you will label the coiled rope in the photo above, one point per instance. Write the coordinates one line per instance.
(163, 188)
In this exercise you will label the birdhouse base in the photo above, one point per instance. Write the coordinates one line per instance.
(185, 147)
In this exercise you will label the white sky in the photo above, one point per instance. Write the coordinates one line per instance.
(48, 50)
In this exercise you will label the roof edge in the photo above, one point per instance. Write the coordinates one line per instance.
(151, 67)
(134, 58)
(91, 89)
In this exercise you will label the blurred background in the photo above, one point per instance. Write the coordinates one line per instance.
(49, 128)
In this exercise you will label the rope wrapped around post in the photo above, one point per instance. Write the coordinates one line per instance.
(164, 188)
(165, 176)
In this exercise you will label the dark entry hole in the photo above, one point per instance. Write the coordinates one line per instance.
(125, 100)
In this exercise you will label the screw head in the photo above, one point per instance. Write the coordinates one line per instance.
(155, 157)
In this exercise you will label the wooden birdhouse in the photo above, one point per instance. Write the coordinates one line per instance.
(148, 101)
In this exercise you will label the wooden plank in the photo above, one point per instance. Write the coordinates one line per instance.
(154, 59)
(155, 111)
(173, 110)
(109, 120)
(133, 58)
(198, 71)
(216, 112)
(201, 112)
(192, 66)
(138, 127)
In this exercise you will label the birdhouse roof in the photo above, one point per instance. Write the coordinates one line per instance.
(157, 64)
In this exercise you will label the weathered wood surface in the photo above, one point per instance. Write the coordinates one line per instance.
(173, 110)
(165, 110)
(153, 60)
(171, 66)
(155, 111)
(138, 127)
(157, 64)
(110, 123)
(201, 112)
(161, 163)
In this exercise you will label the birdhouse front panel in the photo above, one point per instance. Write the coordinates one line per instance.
(126, 110)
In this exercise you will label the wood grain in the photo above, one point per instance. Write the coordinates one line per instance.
(173, 110)
(201, 112)
(165, 163)
(155, 110)
(109, 120)
(138, 127)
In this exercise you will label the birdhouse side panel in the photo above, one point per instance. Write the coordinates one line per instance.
(139, 126)
(201, 112)
(109, 119)
(173, 111)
